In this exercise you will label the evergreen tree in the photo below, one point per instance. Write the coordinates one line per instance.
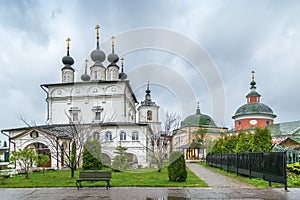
(229, 144)
(262, 140)
(244, 143)
(121, 160)
(177, 169)
(92, 155)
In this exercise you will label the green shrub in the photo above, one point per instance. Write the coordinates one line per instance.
(177, 169)
(295, 167)
(92, 155)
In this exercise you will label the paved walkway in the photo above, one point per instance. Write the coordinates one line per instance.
(215, 179)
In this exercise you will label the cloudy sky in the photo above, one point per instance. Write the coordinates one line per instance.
(236, 36)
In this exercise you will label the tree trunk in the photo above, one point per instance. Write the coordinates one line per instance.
(72, 172)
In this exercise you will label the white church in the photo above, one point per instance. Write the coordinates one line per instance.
(101, 105)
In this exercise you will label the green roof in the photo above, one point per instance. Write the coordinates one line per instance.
(286, 128)
(253, 93)
(197, 120)
(253, 108)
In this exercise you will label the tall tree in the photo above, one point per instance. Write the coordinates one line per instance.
(262, 140)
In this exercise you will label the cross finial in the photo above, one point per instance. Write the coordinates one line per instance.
(122, 64)
(113, 40)
(68, 43)
(86, 65)
(68, 46)
(97, 32)
(252, 75)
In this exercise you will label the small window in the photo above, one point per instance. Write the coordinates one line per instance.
(75, 117)
(149, 115)
(96, 136)
(34, 134)
(122, 135)
(98, 116)
(108, 136)
(268, 122)
(239, 123)
(135, 136)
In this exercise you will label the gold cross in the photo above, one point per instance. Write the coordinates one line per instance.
(97, 30)
(68, 42)
(122, 59)
(252, 75)
(113, 40)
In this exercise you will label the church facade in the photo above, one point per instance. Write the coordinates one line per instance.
(101, 106)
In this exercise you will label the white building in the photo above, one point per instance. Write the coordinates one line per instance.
(101, 105)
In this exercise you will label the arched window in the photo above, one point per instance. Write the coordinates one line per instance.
(135, 136)
(108, 136)
(122, 135)
(149, 115)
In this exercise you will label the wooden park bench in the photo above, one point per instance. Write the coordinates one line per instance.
(93, 177)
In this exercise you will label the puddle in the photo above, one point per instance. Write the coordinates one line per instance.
(168, 198)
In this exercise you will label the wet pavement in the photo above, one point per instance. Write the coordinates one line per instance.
(130, 193)
(215, 179)
(220, 187)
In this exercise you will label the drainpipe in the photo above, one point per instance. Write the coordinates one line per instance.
(46, 101)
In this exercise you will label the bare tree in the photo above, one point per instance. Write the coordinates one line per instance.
(67, 141)
(171, 122)
(159, 146)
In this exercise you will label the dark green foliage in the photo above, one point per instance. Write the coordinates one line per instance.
(73, 159)
(229, 144)
(262, 140)
(177, 169)
(244, 143)
(92, 155)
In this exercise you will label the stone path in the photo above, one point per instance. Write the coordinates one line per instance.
(215, 179)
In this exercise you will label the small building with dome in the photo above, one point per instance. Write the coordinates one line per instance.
(196, 133)
(254, 113)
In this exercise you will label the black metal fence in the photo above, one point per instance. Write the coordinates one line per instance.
(269, 166)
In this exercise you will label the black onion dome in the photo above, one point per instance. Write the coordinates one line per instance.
(67, 60)
(122, 76)
(85, 77)
(113, 58)
(98, 55)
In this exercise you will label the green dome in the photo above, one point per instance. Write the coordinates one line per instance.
(254, 108)
(197, 120)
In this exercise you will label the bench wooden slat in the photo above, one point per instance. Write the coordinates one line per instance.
(94, 176)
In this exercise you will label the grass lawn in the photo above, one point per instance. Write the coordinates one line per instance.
(61, 178)
(293, 180)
